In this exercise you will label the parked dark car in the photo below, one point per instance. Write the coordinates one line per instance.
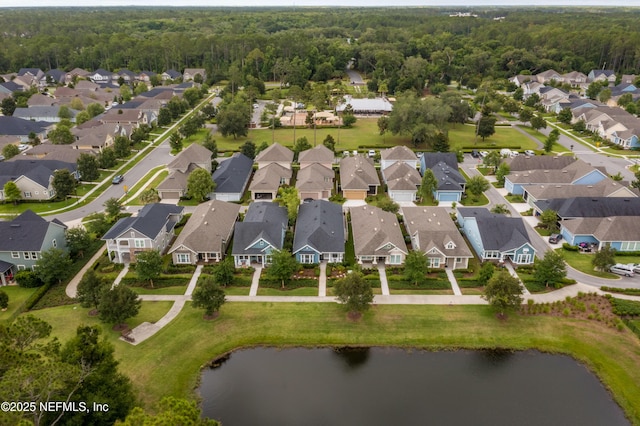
(117, 179)
(475, 154)
(555, 238)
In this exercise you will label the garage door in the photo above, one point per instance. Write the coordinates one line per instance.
(401, 196)
(305, 195)
(170, 195)
(448, 196)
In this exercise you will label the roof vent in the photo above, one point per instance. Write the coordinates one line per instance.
(381, 220)
(206, 223)
(375, 229)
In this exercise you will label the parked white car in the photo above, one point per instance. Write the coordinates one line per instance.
(529, 152)
(504, 152)
(622, 269)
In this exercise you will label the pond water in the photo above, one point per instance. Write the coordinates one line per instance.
(390, 386)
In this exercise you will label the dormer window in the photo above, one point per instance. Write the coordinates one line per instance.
(450, 245)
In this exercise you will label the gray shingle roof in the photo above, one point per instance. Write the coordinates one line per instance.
(149, 222)
(39, 171)
(357, 172)
(538, 162)
(320, 225)
(401, 177)
(498, 232)
(264, 220)
(399, 152)
(435, 228)
(193, 154)
(15, 126)
(24, 233)
(373, 228)
(319, 154)
(449, 179)
(231, 175)
(430, 159)
(275, 152)
(616, 228)
(591, 206)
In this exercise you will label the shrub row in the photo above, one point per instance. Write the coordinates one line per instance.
(269, 283)
(157, 283)
(569, 247)
(625, 307)
(468, 283)
(632, 326)
(179, 269)
(427, 284)
(628, 291)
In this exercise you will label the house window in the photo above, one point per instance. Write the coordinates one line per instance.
(458, 259)
(306, 258)
(523, 258)
(138, 243)
(183, 258)
(54, 243)
(34, 255)
(630, 246)
(27, 194)
(450, 245)
(434, 262)
(27, 255)
(21, 268)
(395, 259)
(15, 255)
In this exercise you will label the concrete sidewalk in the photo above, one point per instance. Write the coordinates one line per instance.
(453, 281)
(255, 281)
(322, 280)
(72, 287)
(384, 284)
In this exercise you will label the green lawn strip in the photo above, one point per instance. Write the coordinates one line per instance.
(582, 262)
(420, 291)
(472, 291)
(145, 179)
(469, 201)
(236, 291)
(152, 184)
(160, 366)
(300, 291)
(172, 290)
(17, 297)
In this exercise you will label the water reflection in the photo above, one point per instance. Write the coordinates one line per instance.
(353, 357)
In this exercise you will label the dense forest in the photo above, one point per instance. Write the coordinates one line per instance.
(400, 47)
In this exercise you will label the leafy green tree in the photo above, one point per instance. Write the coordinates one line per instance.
(164, 117)
(283, 266)
(549, 219)
(501, 172)
(4, 300)
(112, 208)
(53, 265)
(10, 151)
(234, 117)
(493, 159)
(121, 147)
(8, 106)
(64, 183)
(175, 142)
(477, 185)
(190, 126)
(102, 382)
(354, 292)
(82, 117)
(200, 184)
(503, 292)
(61, 135)
(125, 93)
(486, 272)
(579, 126)
(538, 122)
(87, 165)
(288, 197)
(604, 95)
(423, 133)
(330, 143)
(248, 149)
(210, 144)
(551, 140)
(526, 114)
(594, 90)
(78, 241)
(383, 125)
(223, 272)
(171, 411)
(209, 111)
(97, 224)
(209, 296)
(149, 196)
(428, 185)
(302, 144)
(565, 116)
(118, 304)
(148, 265)
(604, 258)
(416, 266)
(441, 143)
(90, 289)
(551, 269)
(94, 109)
(28, 279)
(140, 133)
(107, 158)
(11, 192)
(348, 120)
(388, 205)
(486, 126)
(533, 101)
(64, 112)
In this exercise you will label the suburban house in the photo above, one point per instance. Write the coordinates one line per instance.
(602, 75)
(14, 126)
(191, 73)
(170, 75)
(444, 165)
(548, 76)
(315, 182)
(267, 180)
(358, 177)
(620, 232)
(496, 237)
(40, 100)
(376, 106)
(76, 73)
(101, 76)
(207, 234)
(398, 154)
(33, 177)
(433, 232)
(605, 188)
(146, 76)
(96, 136)
(127, 76)
(577, 207)
(125, 116)
(318, 155)
(261, 232)
(175, 185)
(275, 153)
(151, 229)
(231, 177)
(377, 237)
(320, 233)
(402, 181)
(576, 173)
(24, 239)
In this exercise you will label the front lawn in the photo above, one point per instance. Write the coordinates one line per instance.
(17, 296)
(582, 262)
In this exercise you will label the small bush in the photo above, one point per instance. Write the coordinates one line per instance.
(28, 279)
(569, 247)
(4, 300)
(625, 307)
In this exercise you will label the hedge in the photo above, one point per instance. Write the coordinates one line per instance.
(629, 291)
(625, 307)
(28, 279)
(569, 247)
(468, 283)
(160, 282)
(428, 284)
(180, 269)
(269, 283)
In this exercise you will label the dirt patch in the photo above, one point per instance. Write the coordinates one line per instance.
(212, 316)
(354, 315)
(306, 273)
(122, 328)
(93, 313)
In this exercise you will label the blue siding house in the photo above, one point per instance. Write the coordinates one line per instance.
(261, 232)
(496, 237)
(444, 165)
(620, 232)
(319, 234)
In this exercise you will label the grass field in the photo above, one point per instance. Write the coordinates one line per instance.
(365, 133)
(161, 366)
(17, 296)
(582, 262)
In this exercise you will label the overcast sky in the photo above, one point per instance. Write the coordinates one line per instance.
(370, 3)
